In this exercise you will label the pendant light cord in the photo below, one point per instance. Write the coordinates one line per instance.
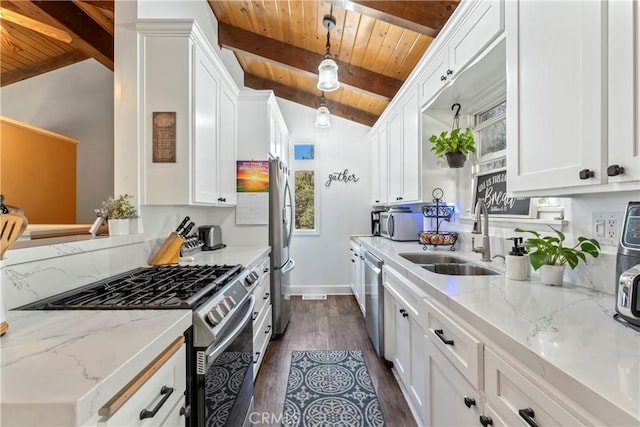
(328, 46)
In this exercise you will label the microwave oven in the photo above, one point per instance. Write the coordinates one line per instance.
(402, 226)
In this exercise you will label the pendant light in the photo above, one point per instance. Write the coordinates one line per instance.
(328, 69)
(322, 115)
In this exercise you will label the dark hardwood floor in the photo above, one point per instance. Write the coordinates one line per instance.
(332, 324)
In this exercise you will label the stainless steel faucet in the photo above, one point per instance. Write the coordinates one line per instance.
(485, 249)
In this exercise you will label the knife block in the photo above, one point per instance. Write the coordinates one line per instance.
(169, 252)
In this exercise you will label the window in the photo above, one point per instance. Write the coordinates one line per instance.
(491, 138)
(305, 189)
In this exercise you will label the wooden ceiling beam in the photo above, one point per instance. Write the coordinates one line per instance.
(88, 35)
(423, 17)
(309, 99)
(104, 4)
(290, 56)
(49, 64)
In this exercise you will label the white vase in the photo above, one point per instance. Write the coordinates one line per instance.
(119, 227)
(552, 274)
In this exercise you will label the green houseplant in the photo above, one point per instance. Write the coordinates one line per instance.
(454, 145)
(118, 212)
(550, 254)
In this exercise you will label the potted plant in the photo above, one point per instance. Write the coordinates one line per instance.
(118, 213)
(455, 145)
(549, 254)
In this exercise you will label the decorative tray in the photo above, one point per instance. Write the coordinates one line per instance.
(434, 238)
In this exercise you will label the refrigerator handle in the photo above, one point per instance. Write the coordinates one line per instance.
(291, 219)
(289, 266)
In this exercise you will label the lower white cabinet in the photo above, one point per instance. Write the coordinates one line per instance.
(155, 397)
(356, 261)
(450, 399)
(262, 321)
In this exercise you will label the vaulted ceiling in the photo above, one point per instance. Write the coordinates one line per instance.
(278, 43)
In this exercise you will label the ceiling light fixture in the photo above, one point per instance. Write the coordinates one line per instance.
(328, 69)
(322, 115)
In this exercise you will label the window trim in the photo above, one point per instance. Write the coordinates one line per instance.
(306, 165)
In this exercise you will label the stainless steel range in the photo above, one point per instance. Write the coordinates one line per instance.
(220, 343)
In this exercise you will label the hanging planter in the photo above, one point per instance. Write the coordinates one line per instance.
(455, 145)
(456, 159)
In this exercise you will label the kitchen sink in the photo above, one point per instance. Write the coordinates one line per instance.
(460, 269)
(432, 258)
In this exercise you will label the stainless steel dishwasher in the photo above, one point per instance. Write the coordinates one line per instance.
(373, 300)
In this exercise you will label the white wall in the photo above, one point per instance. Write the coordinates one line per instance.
(76, 101)
(322, 261)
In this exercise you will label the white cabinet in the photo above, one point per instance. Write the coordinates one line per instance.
(379, 165)
(404, 151)
(517, 398)
(405, 342)
(266, 132)
(465, 38)
(192, 162)
(356, 261)
(623, 142)
(554, 94)
(155, 397)
(262, 320)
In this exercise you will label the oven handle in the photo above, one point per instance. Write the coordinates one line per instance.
(219, 349)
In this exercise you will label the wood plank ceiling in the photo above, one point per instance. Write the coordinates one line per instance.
(278, 43)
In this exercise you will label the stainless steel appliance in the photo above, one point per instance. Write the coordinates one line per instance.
(402, 226)
(628, 267)
(374, 301)
(211, 235)
(219, 344)
(280, 232)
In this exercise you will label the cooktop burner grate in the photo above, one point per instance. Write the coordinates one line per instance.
(161, 287)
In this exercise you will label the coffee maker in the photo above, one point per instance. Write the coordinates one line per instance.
(375, 223)
(628, 267)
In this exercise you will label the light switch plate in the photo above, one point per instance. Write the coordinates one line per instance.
(606, 227)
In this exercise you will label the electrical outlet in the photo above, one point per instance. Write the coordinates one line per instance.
(606, 227)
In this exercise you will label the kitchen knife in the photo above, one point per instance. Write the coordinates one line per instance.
(182, 224)
(187, 229)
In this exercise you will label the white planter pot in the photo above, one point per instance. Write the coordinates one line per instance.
(552, 274)
(119, 227)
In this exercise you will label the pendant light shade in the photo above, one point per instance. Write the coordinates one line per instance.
(322, 115)
(328, 69)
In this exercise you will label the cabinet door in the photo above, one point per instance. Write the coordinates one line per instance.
(450, 400)
(435, 75)
(418, 384)
(374, 162)
(411, 154)
(227, 148)
(554, 93)
(361, 281)
(401, 361)
(383, 150)
(395, 157)
(353, 262)
(624, 89)
(205, 133)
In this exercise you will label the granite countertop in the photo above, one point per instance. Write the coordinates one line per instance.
(60, 367)
(566, 335)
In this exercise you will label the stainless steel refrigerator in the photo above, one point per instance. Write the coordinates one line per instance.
(280, 232)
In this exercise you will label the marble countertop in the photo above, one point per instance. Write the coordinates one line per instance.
(566, 335)
(59, 367)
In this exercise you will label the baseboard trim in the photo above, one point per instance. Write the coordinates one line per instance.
(315, 290)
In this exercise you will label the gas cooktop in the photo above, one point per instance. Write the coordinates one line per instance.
(160, 287)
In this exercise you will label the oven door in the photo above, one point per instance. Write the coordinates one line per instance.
(225, 374)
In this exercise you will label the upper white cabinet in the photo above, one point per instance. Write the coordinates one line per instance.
(182, 74)
(465, 38)
(624, 92)
(267, 133)
(572, 95)
(379, 165)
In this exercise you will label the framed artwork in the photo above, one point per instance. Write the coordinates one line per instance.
(491, 187)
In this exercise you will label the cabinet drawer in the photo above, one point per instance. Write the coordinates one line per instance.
(262, 325)
(262, 297)
(510, 392)
(462, 349)
(159, 386)
(401, 289)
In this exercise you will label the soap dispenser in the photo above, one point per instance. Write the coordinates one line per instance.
(517, 261)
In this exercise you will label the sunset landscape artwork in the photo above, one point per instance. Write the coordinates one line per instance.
(252, 176)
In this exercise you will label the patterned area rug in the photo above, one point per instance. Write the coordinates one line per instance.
(330, 388)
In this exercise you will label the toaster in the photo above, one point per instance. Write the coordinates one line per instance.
(211, 235)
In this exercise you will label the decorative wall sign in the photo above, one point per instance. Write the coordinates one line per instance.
(492, 188)
(252, 186)
(343, 176)
(164, 137)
